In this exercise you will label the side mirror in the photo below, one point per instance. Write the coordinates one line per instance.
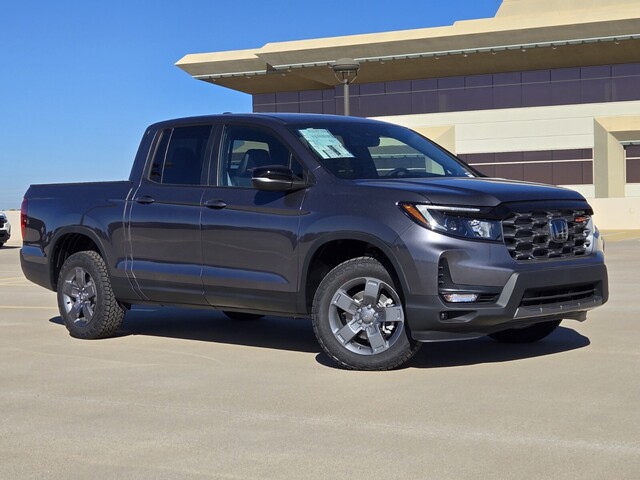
(276, 178)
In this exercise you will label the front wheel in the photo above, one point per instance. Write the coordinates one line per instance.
(85, 298)
(529, 334)
(358, 317)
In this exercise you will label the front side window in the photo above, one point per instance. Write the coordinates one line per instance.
(246, 148)
(368, 150)
(180, 156)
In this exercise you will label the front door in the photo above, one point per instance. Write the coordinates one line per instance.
(250, 237)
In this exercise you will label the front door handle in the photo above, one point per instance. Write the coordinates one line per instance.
(145, 200)
(215, 204)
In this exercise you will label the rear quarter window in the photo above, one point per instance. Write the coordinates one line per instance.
(180, 156)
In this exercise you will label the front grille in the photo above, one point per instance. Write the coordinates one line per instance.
(2, 221)
(528, 236)
(558, 295)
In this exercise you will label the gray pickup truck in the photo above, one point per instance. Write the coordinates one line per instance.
(381, 237)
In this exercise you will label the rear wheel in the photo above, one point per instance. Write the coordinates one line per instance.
(528, 334)
(85, 297)
(358, 317)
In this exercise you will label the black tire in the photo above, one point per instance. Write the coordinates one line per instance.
(528, 334)
(1, 244)
(241, 316)
(358, 317)
(85, 297)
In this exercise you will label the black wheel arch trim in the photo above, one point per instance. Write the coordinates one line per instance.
(376, 242)
(73, 229)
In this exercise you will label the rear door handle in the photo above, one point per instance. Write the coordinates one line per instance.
(145, 200)
(215, 204)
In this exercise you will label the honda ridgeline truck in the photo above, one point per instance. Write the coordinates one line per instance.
(381, 237)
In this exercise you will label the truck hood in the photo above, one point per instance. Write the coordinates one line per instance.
(481, 192)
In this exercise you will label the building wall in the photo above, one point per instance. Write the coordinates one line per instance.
(553, 144)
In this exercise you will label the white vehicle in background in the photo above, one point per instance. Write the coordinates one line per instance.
(5, 229)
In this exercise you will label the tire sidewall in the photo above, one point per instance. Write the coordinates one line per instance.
(392, 357)
(94, 328)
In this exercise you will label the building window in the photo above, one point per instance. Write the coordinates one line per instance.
(560, 86)
(632, 153)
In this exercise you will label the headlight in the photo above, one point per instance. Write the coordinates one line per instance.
(594, 241)
(456, 221)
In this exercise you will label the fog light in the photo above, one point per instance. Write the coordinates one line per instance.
(460, 297)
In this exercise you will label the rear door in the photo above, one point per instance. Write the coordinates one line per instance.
(250, 237)
(164, 217)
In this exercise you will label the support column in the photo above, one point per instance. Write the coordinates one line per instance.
(444, 135)
(608, 164)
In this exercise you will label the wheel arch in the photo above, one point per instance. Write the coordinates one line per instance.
(331, 250)
(69, 241)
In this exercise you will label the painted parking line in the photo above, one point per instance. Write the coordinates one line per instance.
(620, 235)
(25, 307)
(15, 283)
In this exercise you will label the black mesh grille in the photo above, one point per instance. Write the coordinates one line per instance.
(528, 235)
(547, 296)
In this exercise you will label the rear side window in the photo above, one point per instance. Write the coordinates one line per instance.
(180, 156)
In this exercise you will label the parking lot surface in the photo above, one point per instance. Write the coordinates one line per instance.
(189, 394)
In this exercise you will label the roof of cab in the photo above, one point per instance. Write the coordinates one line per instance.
(261, 118)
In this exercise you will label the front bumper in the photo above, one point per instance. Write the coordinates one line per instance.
(432, 319)
(514, 294)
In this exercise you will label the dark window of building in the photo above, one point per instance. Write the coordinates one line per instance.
(536, 88)
(561, 167)
(632, 153)
(401, 86)
(595, 84)
(560, 86)
(565, 86)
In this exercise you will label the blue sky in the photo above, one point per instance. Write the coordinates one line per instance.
(80, 80)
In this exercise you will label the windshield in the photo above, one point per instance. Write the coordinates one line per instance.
(368, 150)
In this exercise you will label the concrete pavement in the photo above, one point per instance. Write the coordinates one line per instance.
(188, 394)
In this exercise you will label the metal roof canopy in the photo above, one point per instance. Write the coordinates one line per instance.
(524, 35)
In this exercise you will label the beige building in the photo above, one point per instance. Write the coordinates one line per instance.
(547, 90)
